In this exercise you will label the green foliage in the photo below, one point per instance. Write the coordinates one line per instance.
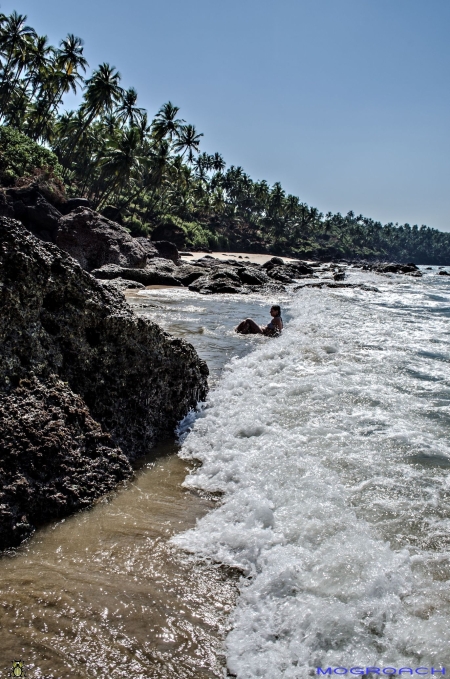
(153, 172)
(197, 236)
(20, 156)
(136, 227)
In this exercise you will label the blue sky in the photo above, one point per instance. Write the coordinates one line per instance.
(345, 102)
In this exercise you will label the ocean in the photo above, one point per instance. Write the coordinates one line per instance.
(330, 448)
(300, 526)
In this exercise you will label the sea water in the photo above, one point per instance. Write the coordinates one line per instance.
(330, 448)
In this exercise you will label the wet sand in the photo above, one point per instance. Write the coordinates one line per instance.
(105, 594)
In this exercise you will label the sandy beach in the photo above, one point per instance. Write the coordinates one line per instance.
(222, 256)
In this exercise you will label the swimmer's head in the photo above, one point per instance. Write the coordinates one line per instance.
(276, 309)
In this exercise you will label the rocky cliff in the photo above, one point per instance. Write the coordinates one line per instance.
(85, 385)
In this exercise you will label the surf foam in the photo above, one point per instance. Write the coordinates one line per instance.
(330, 446)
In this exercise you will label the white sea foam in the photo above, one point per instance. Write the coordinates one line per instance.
(330, 445)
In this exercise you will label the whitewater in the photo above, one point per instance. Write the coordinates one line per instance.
(329, 449)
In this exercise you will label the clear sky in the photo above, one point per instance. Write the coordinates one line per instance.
(345, 102)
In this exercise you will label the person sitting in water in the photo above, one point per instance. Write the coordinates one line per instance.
(249, 327)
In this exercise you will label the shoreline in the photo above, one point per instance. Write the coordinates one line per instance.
(168, 609)
(249, 257)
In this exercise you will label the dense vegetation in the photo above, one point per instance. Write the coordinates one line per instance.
(147, 173)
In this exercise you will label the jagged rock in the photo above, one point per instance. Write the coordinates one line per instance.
(339, 275)
(278, 270)
(187, 274)
(59, 323)
(34, 211)
(157, 272)
(85, 234)
(112, 213)
(6, 208)
(122, 284)
(443, 273)
(94, 241)
(335, 285)
(275, 261)
(219, 281)
(166, 250)
(390, 267)
(72, 204)
(171, 233)
(278, 274)
(54, 458)
(250, 275)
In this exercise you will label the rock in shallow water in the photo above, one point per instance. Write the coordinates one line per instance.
(54, 458)
(58, 323)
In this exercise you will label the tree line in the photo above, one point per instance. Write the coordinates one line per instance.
(148, 172)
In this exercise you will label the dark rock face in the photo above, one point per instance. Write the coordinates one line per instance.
(157, 272)
(72, 204)
(165, 249)
(122, 374)
(171, 233)
(34, 211)
(54, 458)
(252, 275)
(122, 284)
(94, 241)
(187, 274)
(443, 273)
(275, 261)
(209, 275)
(339, 276)
(89, 237)
(408, 269)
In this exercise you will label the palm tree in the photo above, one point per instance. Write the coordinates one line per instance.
(143, 126)
(127, 111)
(70, 54)
(102, 92)
(15, 40)
(188, 140)
(166, 123)
(122, 160)
(217, 162)
(40, 59)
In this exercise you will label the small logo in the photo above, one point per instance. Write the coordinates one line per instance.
(18, 669)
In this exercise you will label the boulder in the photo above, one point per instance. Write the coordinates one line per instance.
(218, 281)
(54, 457)
(122, 284)
(286, 273)
(171, 233)
(6, 208)
(250, 275)
(187, 274)
(72, 204)
(279, 274)
(443, 273)
(339, 276)
(94, 241)
(113, 214)
(275, 261)
(166, 250)
(34, 211)
(391, 267)
(79, 374)
(157, 272)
